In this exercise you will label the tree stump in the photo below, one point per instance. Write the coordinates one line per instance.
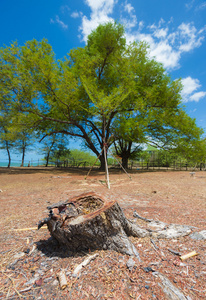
(92, 222)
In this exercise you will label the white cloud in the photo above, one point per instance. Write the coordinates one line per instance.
(161, 33)
(129, 21)
(58, 21)
(141, 25)
(201, 6)
(160, 45)
(165, 54)
(97, 5)
(167, 44)
(89, 25)
(197, 96)
(100, 9)
(128, 8)
(64, 9)
(189, 5)
(75, 15)
(190, 85)
(189, 36)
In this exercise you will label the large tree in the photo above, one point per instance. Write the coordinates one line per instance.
(89, 91)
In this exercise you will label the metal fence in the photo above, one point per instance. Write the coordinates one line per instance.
(175, 165)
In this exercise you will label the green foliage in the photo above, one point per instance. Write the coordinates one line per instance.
(106, 92)
(60, 152)
(75, 157)
(79, 157)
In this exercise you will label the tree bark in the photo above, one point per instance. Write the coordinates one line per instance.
(125, 161)
(9, 156)
(23, 155)
(90, 222)
(102, 162)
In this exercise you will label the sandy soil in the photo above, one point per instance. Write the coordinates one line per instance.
(172, 197)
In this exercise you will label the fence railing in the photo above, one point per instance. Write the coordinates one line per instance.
(176, 165)
(18, 163)
(133, 165)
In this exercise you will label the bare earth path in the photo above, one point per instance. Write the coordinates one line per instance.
(171, 197)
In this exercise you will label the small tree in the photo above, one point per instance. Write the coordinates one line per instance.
(51, 145)
(6, 141)
(22, 143)
(79, 157)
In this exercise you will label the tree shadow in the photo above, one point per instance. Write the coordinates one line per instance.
(52, 248)
(72, 171)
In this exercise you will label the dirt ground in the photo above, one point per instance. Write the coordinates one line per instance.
(30, 260)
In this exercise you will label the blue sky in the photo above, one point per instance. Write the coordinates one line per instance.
(175, 31)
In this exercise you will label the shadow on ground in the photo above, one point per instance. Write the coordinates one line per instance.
(74, 171)
(52, 248)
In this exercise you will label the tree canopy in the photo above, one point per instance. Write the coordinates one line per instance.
(103, 93)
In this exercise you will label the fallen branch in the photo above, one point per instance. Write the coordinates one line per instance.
(25, 229)
(21, 291)
(19, 295)
(32, 250)
(84, 263)
(155, 246)
(169, 289)
(188, 255)
(135, 214)
(62, 279)
(174, 252)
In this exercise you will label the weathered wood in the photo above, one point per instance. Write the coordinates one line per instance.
(62, 279)
(84, 264)
(92, 222)
(171, 292)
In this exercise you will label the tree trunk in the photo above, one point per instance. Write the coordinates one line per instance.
(47, 159)
(90, 222)
(23, 155)
(102, 162)
(125, 161)
(9, 156)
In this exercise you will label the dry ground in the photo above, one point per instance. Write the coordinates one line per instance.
(172, 197)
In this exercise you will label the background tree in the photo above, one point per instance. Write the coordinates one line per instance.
(6, 141)
(22, 135)
(22, 143)
(60, 153)
(51, 144)
(129, 137)
(80, 157)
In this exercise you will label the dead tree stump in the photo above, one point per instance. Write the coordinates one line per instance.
(92, 222)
